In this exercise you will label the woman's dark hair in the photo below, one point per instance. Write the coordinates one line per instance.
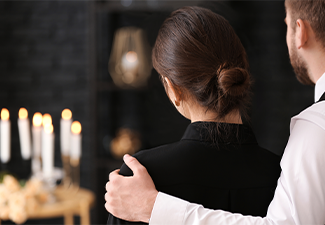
(200, 53)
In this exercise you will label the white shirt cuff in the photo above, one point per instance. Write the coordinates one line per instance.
(168, 210)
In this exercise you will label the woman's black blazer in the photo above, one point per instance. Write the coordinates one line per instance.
(226, 169)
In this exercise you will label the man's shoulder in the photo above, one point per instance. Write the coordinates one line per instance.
(314, 114)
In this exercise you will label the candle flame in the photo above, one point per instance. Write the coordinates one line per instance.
(37, 119)
(131, 56)
(4, 114)
(47, 119)
(48, 128)
(22, 114)
(76, 127)
(66, 114)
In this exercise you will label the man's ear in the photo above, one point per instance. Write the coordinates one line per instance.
(301, 35)
(176, 94)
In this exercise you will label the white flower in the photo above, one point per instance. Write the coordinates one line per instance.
(33, 187)
(3, 194)
(11, 183)
(17, 201)
(4, 212)
(18, 216)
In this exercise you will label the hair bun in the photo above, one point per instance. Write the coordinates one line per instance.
(234, 82)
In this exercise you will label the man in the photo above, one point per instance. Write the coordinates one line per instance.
(300, 195)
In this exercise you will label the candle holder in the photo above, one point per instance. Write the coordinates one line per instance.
(75, 172)
(36, 165)
(49, 185)
(67, 171)
(49, 181)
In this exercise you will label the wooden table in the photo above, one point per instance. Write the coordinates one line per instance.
(68, 203)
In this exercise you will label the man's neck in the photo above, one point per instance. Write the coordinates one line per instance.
(320, 87)
(316, 68)
(316, 64)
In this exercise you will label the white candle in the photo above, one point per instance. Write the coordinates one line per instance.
(46, 120)
(37, 142)
(5, 136)
(65, 133)
(75, 152)
(48, 150)
(37, 134)
(5, 140)
(24, 134)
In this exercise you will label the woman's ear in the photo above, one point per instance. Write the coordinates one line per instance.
(175, 95)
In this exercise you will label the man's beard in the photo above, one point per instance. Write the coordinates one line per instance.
(300, 67)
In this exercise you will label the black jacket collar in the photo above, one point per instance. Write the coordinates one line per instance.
(219, 133)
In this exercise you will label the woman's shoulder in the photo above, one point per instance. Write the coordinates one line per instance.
(152, 156)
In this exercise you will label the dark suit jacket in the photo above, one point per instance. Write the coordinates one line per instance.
(221, 170)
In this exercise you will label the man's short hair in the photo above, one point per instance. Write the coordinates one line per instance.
(312, 11)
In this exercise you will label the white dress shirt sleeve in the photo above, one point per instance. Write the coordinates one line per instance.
(300, 194)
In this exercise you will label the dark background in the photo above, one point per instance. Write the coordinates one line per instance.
(54, 55)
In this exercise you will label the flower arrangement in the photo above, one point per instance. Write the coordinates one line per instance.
(18, 200)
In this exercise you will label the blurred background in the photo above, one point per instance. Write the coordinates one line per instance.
(59, 54)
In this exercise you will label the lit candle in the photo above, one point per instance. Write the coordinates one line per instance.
(75, 152)
(65, 131)
(24, 133)
(46, 120)
(5, 136)
(48, 150)
(37, 141)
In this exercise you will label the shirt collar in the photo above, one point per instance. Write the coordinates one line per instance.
(319, 87)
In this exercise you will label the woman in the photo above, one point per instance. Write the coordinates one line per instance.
(218, 162)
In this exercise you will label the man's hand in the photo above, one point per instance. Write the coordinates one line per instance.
(131, 198)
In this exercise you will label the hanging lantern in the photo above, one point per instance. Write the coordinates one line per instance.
(130, 61)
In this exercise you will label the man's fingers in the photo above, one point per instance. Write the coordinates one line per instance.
(133, 164)
(113, 174)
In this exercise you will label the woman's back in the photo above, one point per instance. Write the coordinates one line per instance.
(233, 174)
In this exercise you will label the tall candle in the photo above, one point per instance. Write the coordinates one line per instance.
(65, 133)
(48, 150)
(37, 134)
(47, 145)
(24, 134)
(37, 142)
(46, 120)
(75, 152)
(5, 136)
